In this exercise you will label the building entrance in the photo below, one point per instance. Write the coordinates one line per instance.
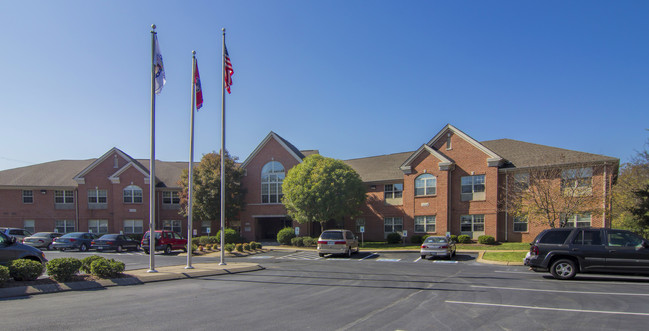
(268, 227)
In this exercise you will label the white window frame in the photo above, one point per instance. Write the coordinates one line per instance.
(28, 196)
(98, 226)
(475, 221)
(272, 177)
(520, 222)
(171, 198)
(172, 225)
(425, 224)
(29, 225)
(133, 226)
(64, 226)
(393, 191)
(473, 182)
(63, 197)
(97, 197)
(584, 220)
(395, 224)
(132, 194)
(428, 183)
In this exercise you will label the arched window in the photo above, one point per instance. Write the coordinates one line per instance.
(132, 194)
(425, 184)
(272, 176)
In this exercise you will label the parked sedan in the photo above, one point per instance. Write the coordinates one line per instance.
(117, 242)
(19, 234)
(42, 239)
(438, 246)
(75, 240)
(11, 250)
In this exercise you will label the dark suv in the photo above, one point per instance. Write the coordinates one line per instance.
(565, 252)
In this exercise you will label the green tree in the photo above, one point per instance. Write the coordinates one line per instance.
(632, 180)
(320, 189)
(207, 188)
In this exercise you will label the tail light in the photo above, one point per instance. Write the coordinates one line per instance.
(322, 241)
(109, 243)
(534, 250)
(39, 240)
(22, 240)
(92, 242)
(424, 246)
(72, 240)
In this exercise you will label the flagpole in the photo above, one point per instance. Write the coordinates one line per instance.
(152, 160)
(223, 153)
(190, 177)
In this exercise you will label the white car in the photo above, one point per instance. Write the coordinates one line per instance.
(17, 233)
(337, 242)
(438, 246)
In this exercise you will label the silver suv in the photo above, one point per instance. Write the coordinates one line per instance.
(337, 242)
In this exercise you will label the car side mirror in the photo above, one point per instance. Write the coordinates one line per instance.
(13, 240)
(645, 243)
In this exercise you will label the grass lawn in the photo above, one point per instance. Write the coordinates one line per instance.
(504, 256)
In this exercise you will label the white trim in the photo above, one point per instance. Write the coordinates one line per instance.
(494, 159)
(114, 178)
(444, 165)
(263, 143)
(79, 178)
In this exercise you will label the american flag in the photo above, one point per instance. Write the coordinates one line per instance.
(199, 91)
(228, 70)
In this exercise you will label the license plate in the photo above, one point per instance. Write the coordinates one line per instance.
(331, 242)
(101, 247)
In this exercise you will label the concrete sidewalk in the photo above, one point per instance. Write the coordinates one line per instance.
(135, 277)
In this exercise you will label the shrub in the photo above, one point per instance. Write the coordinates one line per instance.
(416, 239)
(454, 237)
(229, 247)
(246, 247)
(87, 261)
(105, 268)
(231, 236)
(297, 241)
(285, 235)
(208, 247)
(310, 242)
(200, 248)
(424, 237)
(204, 240)
(24, 269)
(486, 240)
(62, 269)
(238, 247)
(4, 274)
(394, 238)
(258, 245)
(463, 239)
(253, 245)
(194, 247)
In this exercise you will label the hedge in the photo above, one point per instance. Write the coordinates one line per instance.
(63, 269)
(24, 269)
(285, 235)
(486, 240)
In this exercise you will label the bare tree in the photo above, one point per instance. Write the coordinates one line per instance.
(550, 196)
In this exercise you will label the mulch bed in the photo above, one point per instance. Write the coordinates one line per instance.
(49, 281)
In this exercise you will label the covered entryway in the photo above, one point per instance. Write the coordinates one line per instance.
(268, 227)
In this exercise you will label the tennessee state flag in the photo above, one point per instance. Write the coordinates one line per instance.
(197, 87)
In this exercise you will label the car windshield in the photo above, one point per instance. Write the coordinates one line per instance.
(436, 240)
(109, 237)
(331, 235)
(157, 235)
(41, 234)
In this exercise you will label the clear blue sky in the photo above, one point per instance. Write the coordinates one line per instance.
(350, 78)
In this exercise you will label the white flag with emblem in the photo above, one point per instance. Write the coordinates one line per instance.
(159, 68)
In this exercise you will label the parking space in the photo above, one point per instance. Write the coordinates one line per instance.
(363, 256)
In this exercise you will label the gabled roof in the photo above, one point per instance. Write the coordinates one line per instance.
(494, 159)
(444, 163)
(379, 168)
(48, 174)
(283, 142)
(79, 178)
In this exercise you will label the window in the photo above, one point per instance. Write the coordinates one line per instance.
(472, 223)
(133, 226)
(577, 221)
(577, 181)
(132, 194)
(473, 187)
(29, 226)
(97, 196)
(28, 196)
(98, 226)
(172, 225)
(555, 236)
(425, 184)
(448, 142)
(170, 198)
(393, 191)
(424, 224)
(272, 177)
(520, 224)
(522, 181)
(588, 237)
(393, 224)
(623, 238)
(64, 226)
(64, 197)
(359, 222)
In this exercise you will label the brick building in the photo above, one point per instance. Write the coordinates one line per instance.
(453, 183)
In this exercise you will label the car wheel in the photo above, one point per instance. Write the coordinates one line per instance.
(563, 269)
(119, 248)
(138, 247)
(168, 249)
(321, 254)
(83, 248)
(49, 247)
(423, 257)
(62, 249)
(349, 252)
(146, 251)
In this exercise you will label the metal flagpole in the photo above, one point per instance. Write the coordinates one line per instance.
(190, 177)
(223, 154)
(152, 161)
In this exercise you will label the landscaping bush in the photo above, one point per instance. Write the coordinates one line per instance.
(285, 235)
(205, 240)
(416, 239)
(463, 239)
(208, 247)
(253, 245)
(246, 247)
(454, 237)
(24, 269)
(310, 242)
(297, 241)
(87, 261)
(105, 268)
(194, 247)
(486, 240)
(4, 274)
(238, 247)
(394, 238)
(231, 236)
(229, 247)
(258, 245)
(63, 269)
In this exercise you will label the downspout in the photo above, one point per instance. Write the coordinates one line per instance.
(449, 197)
(506, 204)
(76, 209)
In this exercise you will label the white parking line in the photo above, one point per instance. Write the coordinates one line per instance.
(417, 260)
(367, 257)
(559, 291)
(548, 308)
(388, 260)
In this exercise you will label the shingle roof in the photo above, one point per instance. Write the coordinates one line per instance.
(521, 154)
(379, 168)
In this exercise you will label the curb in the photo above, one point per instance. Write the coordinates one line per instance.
(134, 277)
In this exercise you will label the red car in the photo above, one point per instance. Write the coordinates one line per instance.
(165, 240)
